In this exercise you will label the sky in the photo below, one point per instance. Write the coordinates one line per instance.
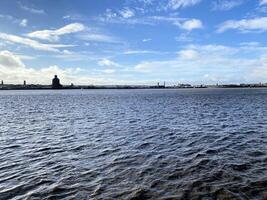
(133, 41)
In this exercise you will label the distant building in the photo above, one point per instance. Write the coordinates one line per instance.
(2, 82)
(56, 83)
(24, 83)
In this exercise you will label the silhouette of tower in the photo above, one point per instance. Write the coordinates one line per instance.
(56, 83)
(2, 82)
(24, 83)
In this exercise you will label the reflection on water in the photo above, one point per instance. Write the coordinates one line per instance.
(133, 144)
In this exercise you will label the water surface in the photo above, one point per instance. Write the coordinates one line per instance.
(133, 144)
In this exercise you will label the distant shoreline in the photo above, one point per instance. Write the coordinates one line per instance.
(49, 87)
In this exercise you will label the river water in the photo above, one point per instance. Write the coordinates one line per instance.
(133, 144)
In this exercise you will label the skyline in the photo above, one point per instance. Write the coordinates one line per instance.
(137, 41)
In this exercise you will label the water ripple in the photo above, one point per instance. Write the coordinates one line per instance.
(133, 144)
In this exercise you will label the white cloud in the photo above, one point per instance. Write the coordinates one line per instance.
(190, 24)
(176, 4)
(186, 24)
(94, 37)
(130, 19)
(20, 22)
(30, 9)
(13, 70)
(7, 59)
(23, 23)
(109, 71)
(263, 2)
(260, 71)
(110, 14)
(245, 25)
(130, 52)
(146, 39)
(188, 54)
(127, 13)
(194, 64)
(31, 43)
(9, 17)
(209, 64)
(26, 57)
(107, 62)
(121, 17)
(54, 35)
(224, 5)
(184, 37)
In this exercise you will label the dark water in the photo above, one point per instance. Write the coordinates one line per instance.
(133, 144)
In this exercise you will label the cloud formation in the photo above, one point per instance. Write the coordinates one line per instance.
(14, 71)
(244, 25)
(210, 64)
(176, 4)
(191, 24)
(23, 23)
(7, 59)
(127, 13)
(54, 35)
(107, 62)
(32, 43)
(224, 5)
(30, 9)
(96, 37)
(263, 2)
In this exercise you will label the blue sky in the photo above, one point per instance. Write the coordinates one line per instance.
(133, 41)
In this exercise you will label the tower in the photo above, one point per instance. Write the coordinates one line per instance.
(56, 83)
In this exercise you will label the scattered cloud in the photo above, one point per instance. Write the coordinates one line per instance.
(109, 71)
(127, 13)
(32, 43)
(10, 60)
(190, 24)
(208, 63)
(107, 62)
(20, 22)
(188, 54)
(146, 39)
(31, 9)
(122, 17)
(23, 23)
(8, 17)
(13, 70)
(130, 52)
(224, 5)
(54, 35)
(184, 37)
(183, 23)
(263, 2)
(95, 37)
(154, 6)
(245, 25)
(116, 18)
(176, 4)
